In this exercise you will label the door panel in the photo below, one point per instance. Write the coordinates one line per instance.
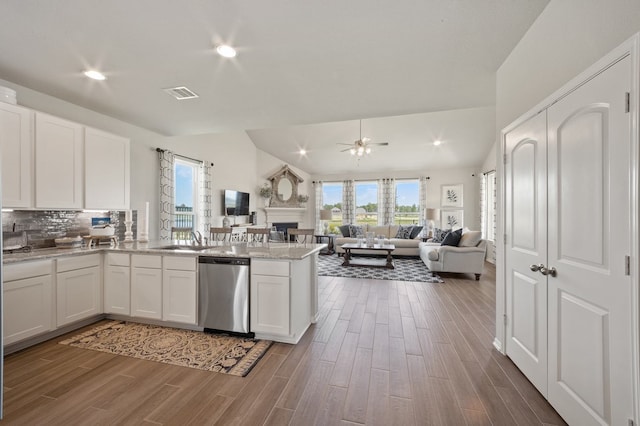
(589, 304)
(526, 205)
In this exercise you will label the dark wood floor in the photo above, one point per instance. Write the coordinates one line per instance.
(383, 352)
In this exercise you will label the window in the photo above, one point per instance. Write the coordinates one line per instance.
(332, 200)
(407, 202)
(185, 193)
(366, 202)
(489, 206)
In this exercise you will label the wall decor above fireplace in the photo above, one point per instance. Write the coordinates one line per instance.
(284, 184)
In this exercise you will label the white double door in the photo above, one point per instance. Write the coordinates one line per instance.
(568, 227)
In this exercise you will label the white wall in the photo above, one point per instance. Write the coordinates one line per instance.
(567, 37)
(437, 178)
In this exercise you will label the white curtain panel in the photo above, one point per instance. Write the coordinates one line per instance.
(483, 206)
(348, 202)
(381, 198)
(167, 160)
(317, 186)
(204, 209)
(422, 208)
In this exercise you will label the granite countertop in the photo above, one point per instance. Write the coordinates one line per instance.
(287, 251)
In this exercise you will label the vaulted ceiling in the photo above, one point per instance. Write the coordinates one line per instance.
(305, 72)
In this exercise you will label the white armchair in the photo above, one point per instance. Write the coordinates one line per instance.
(468, 260)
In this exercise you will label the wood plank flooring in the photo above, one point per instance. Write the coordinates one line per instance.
(382, 353)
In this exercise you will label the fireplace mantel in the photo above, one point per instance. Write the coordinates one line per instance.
(286, 214)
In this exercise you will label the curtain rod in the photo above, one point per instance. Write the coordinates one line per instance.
(182, 156)
(490, 171)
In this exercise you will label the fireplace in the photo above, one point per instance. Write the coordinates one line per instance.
(283, 226)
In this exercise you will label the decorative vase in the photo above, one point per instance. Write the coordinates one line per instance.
(226, 223)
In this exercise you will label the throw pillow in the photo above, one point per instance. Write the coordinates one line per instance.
(452, 238)
(439, 235)
(415, 231)
(356, 231)
(404, 232)
(344, 230)
(470, 239)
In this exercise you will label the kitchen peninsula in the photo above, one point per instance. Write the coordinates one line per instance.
(50, 292)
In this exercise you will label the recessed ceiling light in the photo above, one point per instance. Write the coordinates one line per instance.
(436, 143)
(303, 152)
(226, 51)
(96, 75)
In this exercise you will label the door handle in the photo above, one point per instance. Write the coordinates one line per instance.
(536, 268)
(549, 271)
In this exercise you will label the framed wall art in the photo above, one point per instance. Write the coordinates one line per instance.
(451, 196)
(451, 219)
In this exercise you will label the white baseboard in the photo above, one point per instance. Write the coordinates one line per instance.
(498, 345)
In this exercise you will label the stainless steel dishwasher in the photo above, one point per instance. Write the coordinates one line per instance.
(223, 302)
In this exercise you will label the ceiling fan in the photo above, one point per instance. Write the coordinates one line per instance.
(362, 146)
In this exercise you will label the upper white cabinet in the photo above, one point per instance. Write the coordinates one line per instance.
(106, 184)
(16, 131)
(58, 163)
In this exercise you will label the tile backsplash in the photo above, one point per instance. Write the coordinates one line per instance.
(42, 227)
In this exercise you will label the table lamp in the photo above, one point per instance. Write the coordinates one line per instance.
(430, 216)
(325, 216)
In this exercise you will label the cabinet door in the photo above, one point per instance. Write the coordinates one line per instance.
(270, 304)
(58, 165)
(179, 296)
(117, 290)
(27, 308)
(78, 294)
(15, 144)
(106, 184)
(146, 293)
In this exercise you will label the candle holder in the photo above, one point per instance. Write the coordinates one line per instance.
(128, 234)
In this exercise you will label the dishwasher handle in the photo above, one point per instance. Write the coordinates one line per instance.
(223, 260)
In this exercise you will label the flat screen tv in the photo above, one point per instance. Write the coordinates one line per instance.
(235, 203)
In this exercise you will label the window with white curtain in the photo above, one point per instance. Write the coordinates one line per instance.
(366, 193)
(407, 202)
(186, 193)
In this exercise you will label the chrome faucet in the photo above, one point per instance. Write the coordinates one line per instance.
(197, 236)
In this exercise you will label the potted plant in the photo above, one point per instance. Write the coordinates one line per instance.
(303, 198)
(265, 192)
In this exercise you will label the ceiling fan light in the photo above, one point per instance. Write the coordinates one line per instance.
(352, 151)
(367, 150)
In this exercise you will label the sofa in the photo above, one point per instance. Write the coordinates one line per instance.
(404, 246)
(465, 257)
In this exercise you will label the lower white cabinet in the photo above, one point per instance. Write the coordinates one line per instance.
(117, 284)
(270, 304)
(280, 298)
(78, 288)
(146, 286)
(179, 289)
(28, 300)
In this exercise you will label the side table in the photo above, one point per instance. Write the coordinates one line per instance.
(329, 239)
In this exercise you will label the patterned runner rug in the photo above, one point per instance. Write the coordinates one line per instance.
(406, 269)
(212, 352)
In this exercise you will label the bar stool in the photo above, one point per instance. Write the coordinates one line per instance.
(219, 234)
(178, 233)
(301, 236)
(257, 235)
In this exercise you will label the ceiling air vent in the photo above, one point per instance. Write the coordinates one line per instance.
(181, 93)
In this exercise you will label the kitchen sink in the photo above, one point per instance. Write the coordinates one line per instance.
(183, 247)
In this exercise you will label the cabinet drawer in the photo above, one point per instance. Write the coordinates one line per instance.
(146, 261)
(18, 271)
(118, 259)
(179, 263)
(277, 268)
(78, 262)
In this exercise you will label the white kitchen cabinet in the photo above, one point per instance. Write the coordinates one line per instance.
(27, 300)
(16, 141)
(117, 284)
(280, 298)
(59, 162)
(78, 288)
(179, 289)
(107, 170)
(146, 286)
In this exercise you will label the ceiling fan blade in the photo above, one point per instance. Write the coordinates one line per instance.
(346, 149)
(341, 143)
(379, 143)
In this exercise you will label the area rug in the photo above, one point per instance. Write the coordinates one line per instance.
(212, 352)
(406, 269)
